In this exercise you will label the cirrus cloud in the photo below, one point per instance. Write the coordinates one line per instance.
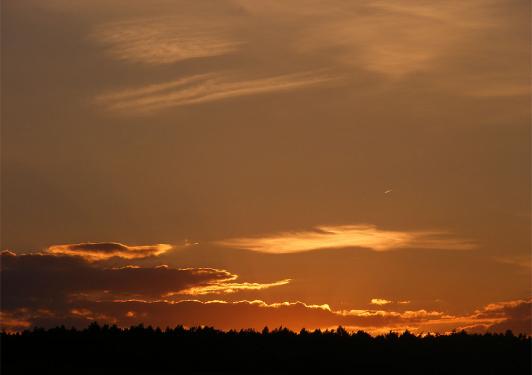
(164, 40)
(203, 88)
(342, 236)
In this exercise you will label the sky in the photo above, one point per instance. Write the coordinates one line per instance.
(237, 164)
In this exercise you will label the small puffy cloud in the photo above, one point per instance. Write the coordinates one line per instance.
(380, 301)
(94, 251)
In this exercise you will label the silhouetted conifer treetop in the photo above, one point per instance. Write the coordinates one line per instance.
(140, 349)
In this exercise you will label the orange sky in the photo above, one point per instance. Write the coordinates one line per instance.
(241, 164)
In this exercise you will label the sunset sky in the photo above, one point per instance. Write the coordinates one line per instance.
(234, 163)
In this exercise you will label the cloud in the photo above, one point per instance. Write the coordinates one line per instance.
(521, 261)
(257, 314)
(94, 251)
(10, 321)
(392, 40)
(515, 315)
(367, 236)
(48, 290)
(46, 281)
(385, 37)
(229, 287)
(380, 301)
(384, 302)
(204, 88)
(164, 40)
(497, 317)
(479, 46)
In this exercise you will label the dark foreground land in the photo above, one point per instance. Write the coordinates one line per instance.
(139, 350)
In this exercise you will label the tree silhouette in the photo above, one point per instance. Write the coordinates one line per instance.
(139, 349)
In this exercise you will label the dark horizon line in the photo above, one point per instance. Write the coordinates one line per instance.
(205, 350)
(95, 327)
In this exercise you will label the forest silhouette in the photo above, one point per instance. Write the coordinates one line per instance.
(146, 350)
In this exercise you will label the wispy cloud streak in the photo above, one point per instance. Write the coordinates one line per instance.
(204, 88)
(367, 236)
(163, 40)
(229, 287)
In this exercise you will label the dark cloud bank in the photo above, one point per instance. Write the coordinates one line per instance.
(48, 290)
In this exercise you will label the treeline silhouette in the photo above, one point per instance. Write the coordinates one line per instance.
(147, 350)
